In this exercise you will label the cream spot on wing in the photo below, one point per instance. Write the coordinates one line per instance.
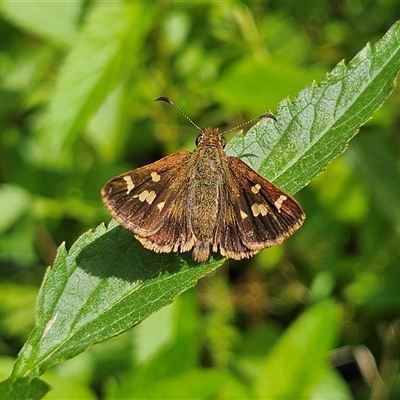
(155, 177)
(147, 196)
(278, 203)
(258, 209)
(263, 209)
(255, 210)
(150, 198)
(129, 183)
(142, 196)
(161, 205)
(256, 188)
(243, 214)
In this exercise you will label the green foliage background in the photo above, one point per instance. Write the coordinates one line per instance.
(77, 81)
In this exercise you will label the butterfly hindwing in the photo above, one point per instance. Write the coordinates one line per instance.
(175, 234)
(150, 202)
(257, 214)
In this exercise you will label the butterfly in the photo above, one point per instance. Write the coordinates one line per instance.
(204, 201)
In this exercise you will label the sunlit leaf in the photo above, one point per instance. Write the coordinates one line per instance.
(23, 389)
(317, 126)
(53, 21)
(99, 61)
(103, 286)
(294, 364)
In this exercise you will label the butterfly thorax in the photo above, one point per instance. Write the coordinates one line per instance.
(205, 185)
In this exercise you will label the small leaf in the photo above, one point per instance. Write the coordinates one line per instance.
(100, 60)
(331, 385)
(108, 127)
(237, 87)
(23, 389)
(14, 201)
(291, 369)
(103, 286)
(371, 155)
(54, 21)
(316, 127)
(189, 384)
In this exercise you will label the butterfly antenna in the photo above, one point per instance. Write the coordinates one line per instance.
(262, 116)
(170, 102)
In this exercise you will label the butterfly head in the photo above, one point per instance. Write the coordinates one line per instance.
(210, 137)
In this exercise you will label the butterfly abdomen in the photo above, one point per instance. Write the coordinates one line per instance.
(206, 182)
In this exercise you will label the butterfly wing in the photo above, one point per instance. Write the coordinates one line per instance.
(150, 201)
(254, 213)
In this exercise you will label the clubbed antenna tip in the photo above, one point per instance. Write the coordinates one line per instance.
(268, 115)
(169, 101)
(164, 98)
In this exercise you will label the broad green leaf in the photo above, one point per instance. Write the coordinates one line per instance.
(316, 127)
(23, 389)
(55, 21)
(293, 366)
(103, 56)
(103, 286)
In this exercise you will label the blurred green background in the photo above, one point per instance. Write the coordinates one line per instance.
(222, 63)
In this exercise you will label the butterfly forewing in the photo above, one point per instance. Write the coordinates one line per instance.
(141, 200)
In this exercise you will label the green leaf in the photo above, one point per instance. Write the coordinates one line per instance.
(53, 21)
(65, 387)
(23, 389)
(107, 128)
(190, 384)
(103, 286)
(15, 201)
(100, 60)
(237, 86)
(293, 366)
(316, 127)
(174, 349)
(330, 386)
(171, 371)
(371, 155)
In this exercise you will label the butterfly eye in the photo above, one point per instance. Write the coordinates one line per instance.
(198, 140)
(223, 142)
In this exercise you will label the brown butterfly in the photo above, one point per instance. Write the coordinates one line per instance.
(203, 201)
